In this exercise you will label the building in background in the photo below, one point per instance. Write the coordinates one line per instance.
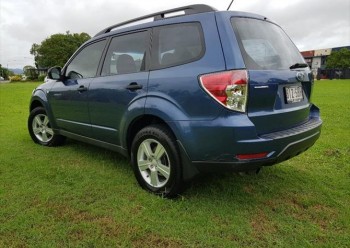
(308, 56)
(316, 59)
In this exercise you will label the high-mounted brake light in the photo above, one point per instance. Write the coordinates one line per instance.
(229, 88)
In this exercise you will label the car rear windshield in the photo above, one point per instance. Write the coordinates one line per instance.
(264, 45)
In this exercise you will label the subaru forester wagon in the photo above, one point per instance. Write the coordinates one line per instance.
(181, 92)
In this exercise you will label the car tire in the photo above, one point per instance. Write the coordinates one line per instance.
(156, 161)
(40, 129)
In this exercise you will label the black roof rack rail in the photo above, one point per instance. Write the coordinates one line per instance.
(189, 10)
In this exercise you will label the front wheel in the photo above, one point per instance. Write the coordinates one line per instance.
(40, 129)
(156, 161)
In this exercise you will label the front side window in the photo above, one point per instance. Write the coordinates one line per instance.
(85, 64)
(126, 54)
(177, 44)
(264, 45)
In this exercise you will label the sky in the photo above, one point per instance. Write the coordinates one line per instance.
(311, 24)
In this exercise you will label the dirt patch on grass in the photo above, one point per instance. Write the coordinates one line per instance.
(249, 189)
(85, 224)
(323, 216)
(262, 225)
(294, 205)
(106, 226)
(333, 152)
(153, 241)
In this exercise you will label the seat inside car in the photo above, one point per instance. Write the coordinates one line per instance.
(125, 64)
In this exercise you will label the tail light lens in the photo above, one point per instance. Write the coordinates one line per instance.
(229, 88)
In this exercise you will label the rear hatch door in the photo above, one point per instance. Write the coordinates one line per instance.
(279, 79)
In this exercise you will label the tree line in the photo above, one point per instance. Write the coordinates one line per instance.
(57, 49)
(339, 59)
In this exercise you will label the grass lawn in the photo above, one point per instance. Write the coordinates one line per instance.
(80, 195)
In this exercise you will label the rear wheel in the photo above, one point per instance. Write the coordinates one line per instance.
(40, 129)
(156, 161)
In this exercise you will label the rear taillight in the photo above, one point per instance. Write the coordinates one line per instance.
(229, 88)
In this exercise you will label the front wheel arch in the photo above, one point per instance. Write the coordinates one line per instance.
(35, 104)
(40, 129)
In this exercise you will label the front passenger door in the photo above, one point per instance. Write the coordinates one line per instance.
(69, 97)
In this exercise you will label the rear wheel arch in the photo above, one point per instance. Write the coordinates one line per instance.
(140, 123)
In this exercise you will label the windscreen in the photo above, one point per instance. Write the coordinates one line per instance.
(264, 45)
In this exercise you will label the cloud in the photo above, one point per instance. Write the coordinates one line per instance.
(311, 24)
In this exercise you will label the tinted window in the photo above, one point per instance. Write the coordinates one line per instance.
(126, 54)
(177, 44)
(85, 64)
(264, 45)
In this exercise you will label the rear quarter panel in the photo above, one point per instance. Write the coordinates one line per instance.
(174, 93)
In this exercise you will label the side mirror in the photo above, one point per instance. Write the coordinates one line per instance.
(54, 73)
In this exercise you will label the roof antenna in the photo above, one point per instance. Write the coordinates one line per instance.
(230, 5)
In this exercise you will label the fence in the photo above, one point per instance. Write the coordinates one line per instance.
(333, 74)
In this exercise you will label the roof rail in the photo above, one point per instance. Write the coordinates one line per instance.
(188, 10)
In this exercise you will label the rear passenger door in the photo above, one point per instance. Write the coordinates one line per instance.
(120, 91)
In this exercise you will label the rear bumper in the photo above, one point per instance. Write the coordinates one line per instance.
(289, 150)
(280, 146)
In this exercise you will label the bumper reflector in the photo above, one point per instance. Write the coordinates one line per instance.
(252, 156)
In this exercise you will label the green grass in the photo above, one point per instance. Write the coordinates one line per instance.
(80, 195)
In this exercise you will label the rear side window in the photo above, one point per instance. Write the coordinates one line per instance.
(264, 45)
(126, 54)
(177, 44)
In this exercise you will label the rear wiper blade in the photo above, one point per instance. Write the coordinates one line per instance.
(299, 65)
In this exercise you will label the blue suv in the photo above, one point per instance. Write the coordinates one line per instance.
(180, 92)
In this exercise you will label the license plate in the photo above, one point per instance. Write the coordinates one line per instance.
(293, 94)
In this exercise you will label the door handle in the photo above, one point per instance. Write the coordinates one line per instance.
(134, 86)
(82, 88)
